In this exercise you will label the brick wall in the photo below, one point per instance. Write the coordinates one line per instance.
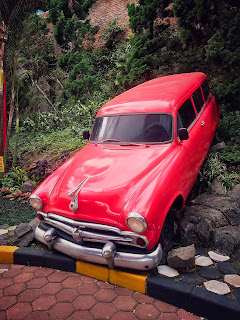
(104, 11)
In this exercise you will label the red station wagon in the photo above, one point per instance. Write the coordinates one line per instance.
(113, 202)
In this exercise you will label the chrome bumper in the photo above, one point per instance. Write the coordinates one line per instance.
(108, 255)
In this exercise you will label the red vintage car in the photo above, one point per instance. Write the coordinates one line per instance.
(113, 202)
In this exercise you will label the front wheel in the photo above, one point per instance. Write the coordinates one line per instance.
(167, 233)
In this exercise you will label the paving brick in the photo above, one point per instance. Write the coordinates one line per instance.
(30, 269)
(169, 316)
(105, 285)
(184, 315)
(3, 315)
(123, 291)
(105, 295)
(146, 311)
(51, 288)
(125, 303)
(84, 302)
(43, 272)
(19, 311)
(61, 311)
(17, 266)
(11, 273)
(57, 276)
(24, 277)
(5, 283)
(67, 295)
(72, 282)
(1, 293)
(84, 315)
(124, 316)
(7, 302)
(37, 315)
(88, 279)
(88, 288)
(103, 310)
(37, 283)
(43, 303)
(14, 289)
(5, 266)
(142, 298)
(29, 295)
(164, 307)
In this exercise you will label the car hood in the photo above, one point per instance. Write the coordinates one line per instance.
(109, 175)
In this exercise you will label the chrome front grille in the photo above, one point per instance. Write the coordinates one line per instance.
(87, 231)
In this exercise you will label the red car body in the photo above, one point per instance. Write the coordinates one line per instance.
(85, 204)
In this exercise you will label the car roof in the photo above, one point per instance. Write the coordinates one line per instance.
(158, 95)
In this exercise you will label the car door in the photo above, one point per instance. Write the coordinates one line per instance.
(195, 147)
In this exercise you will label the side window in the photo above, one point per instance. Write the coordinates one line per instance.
(187, 113)
(198, 100)
(206, 90)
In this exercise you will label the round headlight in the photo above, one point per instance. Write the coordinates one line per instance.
(35, 202)
(136, 222)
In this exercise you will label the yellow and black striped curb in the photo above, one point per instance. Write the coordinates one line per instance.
(193, 299)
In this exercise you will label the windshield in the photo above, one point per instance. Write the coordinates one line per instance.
(133, 128)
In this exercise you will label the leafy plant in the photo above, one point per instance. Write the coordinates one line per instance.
(13, 178)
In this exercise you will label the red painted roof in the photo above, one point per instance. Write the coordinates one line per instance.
(157, 95)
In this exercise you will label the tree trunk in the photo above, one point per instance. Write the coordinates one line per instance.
(17, 136)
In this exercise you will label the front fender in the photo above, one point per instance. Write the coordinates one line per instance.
(156, 195)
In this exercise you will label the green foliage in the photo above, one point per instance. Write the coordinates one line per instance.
(151, 38)
(215, 168)
(76, 37)
(13, 178)
(229, 126)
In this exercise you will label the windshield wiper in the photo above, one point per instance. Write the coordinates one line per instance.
(109, 140)
(130, 144)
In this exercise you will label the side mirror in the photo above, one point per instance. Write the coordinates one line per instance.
(183, 134)
(86, 135)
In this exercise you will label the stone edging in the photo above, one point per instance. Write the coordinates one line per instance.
(196, 300)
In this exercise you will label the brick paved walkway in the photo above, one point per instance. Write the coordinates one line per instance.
(33, 293)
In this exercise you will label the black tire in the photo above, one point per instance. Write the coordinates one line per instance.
(167, 233)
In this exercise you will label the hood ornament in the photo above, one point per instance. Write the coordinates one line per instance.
(74, 194)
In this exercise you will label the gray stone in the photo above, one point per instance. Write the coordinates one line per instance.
(202, 212)
(34, 223)
(236, 255)
(233, 280)
(210, 273)
(23, 235)
(22, 229)
(227, 206)
(227, 268)
(203, 261)
(167, 271)
(217, 187)
(226, 239)
(204, 231)
(217, 147)
(28, 186)
(217, 287)
(182, 258)
(201, 251)
(236, 293)
(235, 192)
(192, 279)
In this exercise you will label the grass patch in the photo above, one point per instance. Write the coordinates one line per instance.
(14, 212)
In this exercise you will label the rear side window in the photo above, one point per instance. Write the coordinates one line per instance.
(198, 100)
(187, 113)
(206, 90)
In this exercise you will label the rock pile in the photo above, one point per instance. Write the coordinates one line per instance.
(213, 221)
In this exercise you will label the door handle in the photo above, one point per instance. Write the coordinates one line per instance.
(202, 123)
